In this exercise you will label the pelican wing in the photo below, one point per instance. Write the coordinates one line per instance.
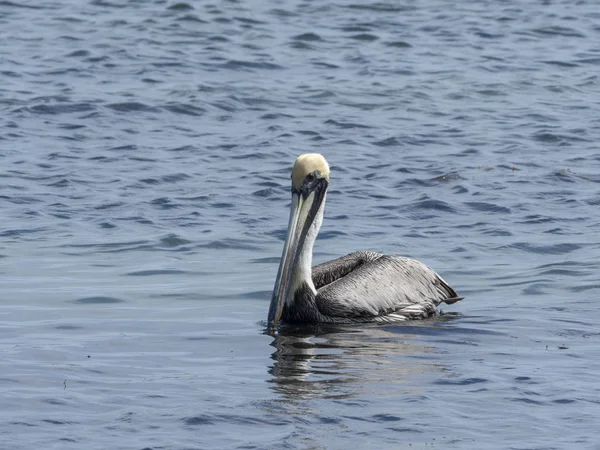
(330, 271)
(380, 286)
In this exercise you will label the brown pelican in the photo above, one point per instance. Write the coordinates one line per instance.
(363, 286)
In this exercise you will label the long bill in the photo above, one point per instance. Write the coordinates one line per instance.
(302, 214)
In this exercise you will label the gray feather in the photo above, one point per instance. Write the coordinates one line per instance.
(330, 271)
(369, 286)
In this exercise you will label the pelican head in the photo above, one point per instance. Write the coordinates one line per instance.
(310, 178)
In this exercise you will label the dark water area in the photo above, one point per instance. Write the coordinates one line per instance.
(145, 152)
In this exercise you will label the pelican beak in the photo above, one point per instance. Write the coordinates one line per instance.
(305, 206)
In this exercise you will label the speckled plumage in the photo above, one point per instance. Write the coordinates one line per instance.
(369, 287)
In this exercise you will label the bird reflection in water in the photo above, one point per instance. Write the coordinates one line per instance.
(341, 361)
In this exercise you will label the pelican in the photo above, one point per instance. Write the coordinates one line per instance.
(363, 286)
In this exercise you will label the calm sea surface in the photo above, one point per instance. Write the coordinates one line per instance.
(145, 152)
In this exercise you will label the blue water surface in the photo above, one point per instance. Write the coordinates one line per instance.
(145, 152)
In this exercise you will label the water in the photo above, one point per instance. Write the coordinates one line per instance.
(145, 150)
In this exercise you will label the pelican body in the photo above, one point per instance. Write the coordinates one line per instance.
(363, 286)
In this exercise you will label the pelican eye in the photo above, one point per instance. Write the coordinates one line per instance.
(310, 177)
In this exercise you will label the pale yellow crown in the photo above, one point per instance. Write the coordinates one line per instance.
(308, 163)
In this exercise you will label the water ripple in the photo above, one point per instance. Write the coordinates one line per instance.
(145, 155)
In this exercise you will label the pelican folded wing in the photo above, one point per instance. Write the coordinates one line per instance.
(384, 289)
